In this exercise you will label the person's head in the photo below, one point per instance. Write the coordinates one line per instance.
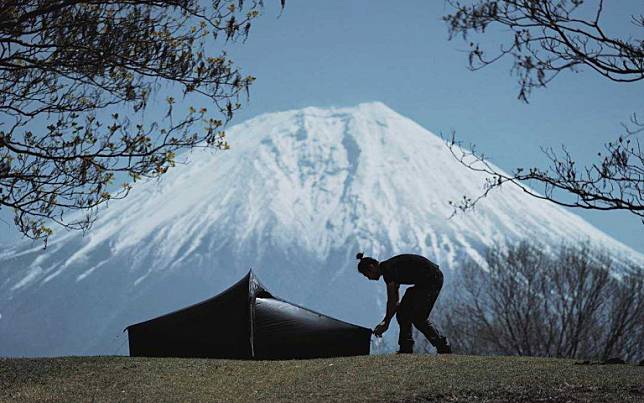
(368, 266)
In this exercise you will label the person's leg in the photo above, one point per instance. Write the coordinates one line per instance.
(404, 318)
(423, 305)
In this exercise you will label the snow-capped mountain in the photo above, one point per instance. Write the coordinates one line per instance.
(296, 197)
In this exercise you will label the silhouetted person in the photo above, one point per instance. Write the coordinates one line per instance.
(416, 304)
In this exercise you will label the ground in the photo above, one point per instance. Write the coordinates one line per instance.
(370, 378)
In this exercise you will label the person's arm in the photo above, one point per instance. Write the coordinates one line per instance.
(392, 307)
(392, 301)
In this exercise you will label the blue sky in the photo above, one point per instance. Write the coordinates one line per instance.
(341, 53)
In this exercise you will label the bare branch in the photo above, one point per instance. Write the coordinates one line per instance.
(547, 38)
(616, 182)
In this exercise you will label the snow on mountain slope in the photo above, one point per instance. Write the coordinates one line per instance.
(295, 198)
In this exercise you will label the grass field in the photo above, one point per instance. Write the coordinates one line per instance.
(371, 378)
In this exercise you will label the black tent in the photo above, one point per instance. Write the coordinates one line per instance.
(247, 322)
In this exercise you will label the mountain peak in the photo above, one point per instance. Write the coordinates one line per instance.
(371, 107)
(374, 109)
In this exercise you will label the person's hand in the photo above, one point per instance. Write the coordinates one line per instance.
(380, 329)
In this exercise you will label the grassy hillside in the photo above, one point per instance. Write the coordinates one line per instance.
(374, 378)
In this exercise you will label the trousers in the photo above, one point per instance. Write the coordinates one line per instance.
(414, 309)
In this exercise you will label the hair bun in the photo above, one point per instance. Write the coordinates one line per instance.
(359, 256)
